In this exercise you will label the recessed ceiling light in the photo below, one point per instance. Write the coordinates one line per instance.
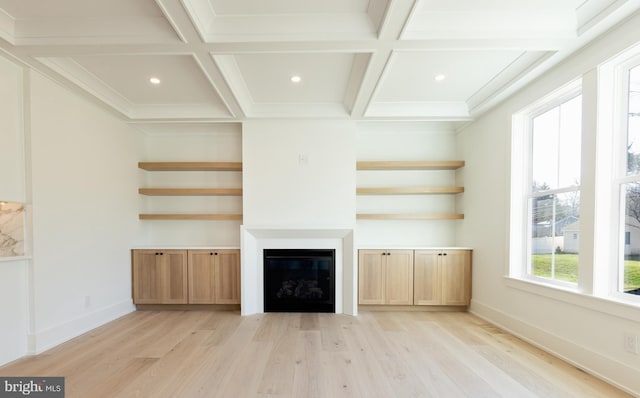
(296, 79)
(439, 77)
(154, 80)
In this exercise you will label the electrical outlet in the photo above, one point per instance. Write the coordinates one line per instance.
(87, 301)
(631, 343)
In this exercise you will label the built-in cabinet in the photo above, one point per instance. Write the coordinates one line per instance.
(160, 277)
(214, 276)
(414, 277)
(442, 277)
(385, 277)
(186, 276)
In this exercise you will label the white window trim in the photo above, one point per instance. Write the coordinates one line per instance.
(619, 108)
(521, 142)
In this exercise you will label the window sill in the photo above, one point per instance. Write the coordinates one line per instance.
(19, 258)
(609, 305)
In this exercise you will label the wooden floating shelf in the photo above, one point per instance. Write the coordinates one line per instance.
(410, 165)
(191, 166)
(409, 191)
(190, 191)
(190, 216)
(453, 216)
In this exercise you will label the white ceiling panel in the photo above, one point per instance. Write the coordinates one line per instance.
(492, 19)
(268, 76)
(182, 80)
(96, 21)
(38, 9)
(411, 74)
(297, 20)
(263, 82)
(124, 82)
(275, 7)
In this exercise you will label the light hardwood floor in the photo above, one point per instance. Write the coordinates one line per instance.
(377, 354)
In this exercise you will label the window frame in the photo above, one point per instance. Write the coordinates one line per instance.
(521, 181)
(619, 179)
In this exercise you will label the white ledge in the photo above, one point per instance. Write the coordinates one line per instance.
(19, 258)
(608, 305)
(163, 247)
(392, 247)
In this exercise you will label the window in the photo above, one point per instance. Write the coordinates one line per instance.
(546, 188)
(563, 175)
(627, 238)
(554, 191)
(628, 182)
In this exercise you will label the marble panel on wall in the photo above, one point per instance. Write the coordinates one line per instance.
(11, 229)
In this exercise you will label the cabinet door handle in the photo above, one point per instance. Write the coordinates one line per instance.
(444, 254)
(211, 254)
(215, 254)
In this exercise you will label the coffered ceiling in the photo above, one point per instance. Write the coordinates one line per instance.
(228, 60)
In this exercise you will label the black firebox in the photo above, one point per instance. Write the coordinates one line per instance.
(299, 280)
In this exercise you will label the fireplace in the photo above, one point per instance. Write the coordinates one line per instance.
(299, 280)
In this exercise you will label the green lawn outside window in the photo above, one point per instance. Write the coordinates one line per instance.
(567, 269)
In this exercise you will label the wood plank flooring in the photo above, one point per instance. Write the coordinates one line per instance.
(377, 354)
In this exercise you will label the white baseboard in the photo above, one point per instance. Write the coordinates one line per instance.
(46, 339)
(607, 369)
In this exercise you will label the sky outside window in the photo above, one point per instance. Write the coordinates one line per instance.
(556, 146)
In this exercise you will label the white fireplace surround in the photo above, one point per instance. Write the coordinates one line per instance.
(255, 239)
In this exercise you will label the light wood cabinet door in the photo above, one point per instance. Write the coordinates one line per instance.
(385, 277)
(427, 288)
(214, 276)
(456, 277)
(442, 277)
(201, 277)
(159, 276)
(398, 277)
(371, 275)
(226, 277)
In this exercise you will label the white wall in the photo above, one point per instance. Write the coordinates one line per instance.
(299, 173)
(14, 309)
(85, 206)
(213, 142)
(406, 141)
(13, 271)
(584, 330)
(11, 137)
